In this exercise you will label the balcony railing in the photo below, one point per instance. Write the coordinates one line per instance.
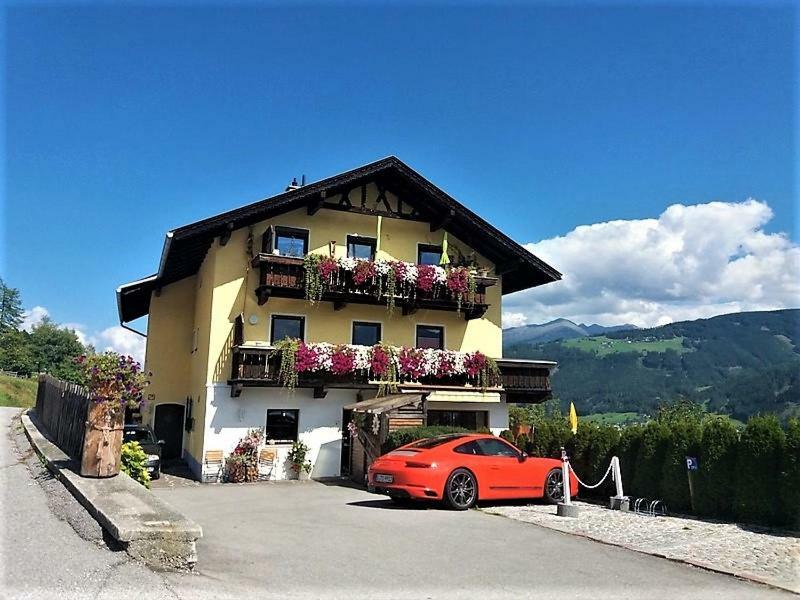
(259, 366)
(284, 277)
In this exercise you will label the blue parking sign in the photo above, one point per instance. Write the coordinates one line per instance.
(691, 463)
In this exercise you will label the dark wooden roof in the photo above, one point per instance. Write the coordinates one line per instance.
(186, 247)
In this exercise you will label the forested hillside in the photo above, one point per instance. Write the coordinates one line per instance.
(738, 364)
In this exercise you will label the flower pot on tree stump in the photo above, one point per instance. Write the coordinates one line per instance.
(102, 440)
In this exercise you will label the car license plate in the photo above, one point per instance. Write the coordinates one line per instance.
(381, 478)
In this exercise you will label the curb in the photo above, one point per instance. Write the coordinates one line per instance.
(146, 526)
(686, 561)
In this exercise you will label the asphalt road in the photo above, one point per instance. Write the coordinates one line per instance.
(309, 540)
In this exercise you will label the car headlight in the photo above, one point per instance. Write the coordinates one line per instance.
(151, 458)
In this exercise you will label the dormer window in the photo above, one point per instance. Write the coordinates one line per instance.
(428, 254)
(290, 241)
(361, 247)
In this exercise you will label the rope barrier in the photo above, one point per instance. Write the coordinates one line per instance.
(598, 484)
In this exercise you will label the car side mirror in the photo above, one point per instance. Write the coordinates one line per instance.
(161, 442)
(523, 456)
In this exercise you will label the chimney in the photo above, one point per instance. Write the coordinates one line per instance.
(293, 185)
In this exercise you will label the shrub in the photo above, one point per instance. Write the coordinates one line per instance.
(791, 476)
(628, 448)
(507, 435)
(650, 460)
(242, 464)
(758, 471)
(134, 463)
(401, 437)
(593, 447)
(684, 440)
(717, 457)
(522, 442)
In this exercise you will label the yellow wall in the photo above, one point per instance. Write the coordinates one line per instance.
(224, 287)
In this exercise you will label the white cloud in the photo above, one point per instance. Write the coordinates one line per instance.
(691, 262)
(121, 340)
(514, 319)
(32, 317)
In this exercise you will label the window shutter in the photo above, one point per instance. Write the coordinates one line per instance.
(267, 240)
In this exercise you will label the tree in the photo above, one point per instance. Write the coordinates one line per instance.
(10, 307)
(15, 352)
(54, 350)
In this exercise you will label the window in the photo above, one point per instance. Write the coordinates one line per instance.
(430, 336)
(366, 334)
(360, 247)
(469, 448)
(436, 441)
(468, 419)
(428, 254)
(291, 242)
(497, 447)
(281, 425)
(283, 327)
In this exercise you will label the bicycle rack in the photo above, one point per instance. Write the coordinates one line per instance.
(639, 505)
(658, 505)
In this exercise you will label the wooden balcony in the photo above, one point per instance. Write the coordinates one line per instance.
(522, 381)
(284, 277)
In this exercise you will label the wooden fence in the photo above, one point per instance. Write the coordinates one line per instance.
(62, 409)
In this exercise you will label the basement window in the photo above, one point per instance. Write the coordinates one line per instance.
(468, 419)
(281, 425)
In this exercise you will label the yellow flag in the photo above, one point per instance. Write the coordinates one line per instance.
(573, 418)
(445, 258)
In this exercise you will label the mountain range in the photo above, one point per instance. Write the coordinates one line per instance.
(560, 329)
(737, 364)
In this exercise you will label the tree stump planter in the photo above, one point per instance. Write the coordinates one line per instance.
(102, 440)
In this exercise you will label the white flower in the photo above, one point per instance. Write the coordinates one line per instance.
(347, 263)
(440, 275)
(376, 424)
(382, 267)
(361, 356)
(411, 273)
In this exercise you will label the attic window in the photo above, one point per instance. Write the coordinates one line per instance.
(428, 254)
(290, 241)
(361, 247)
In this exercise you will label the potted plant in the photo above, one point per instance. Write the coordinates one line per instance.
(241, 466)
(299, 466)
(114, 382)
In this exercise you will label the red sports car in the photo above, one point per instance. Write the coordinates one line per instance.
(462, 468)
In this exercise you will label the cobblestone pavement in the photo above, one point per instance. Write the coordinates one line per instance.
(764, 555)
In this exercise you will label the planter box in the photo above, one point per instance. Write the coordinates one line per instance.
(102, 441)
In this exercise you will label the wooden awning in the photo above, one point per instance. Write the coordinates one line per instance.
(384, 403)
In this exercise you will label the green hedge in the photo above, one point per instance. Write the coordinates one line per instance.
(752, 475)
(401, 437)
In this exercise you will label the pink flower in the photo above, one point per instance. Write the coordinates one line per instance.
(426, 276)
(306, 359)
(411, 362)
(342, 361)
(458, 280)
(446, 365)
(327, 267)
(379, 362)
(474, 363)
(365, 270)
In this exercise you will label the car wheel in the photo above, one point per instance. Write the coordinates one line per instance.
(554, 486)
(461, 490)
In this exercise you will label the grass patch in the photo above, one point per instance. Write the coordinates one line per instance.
(602, 345)
(17, 392)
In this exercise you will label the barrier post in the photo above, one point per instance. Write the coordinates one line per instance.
(565, 508)
(619, 501)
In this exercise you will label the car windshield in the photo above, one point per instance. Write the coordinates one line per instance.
(435, 441)
(143, 436)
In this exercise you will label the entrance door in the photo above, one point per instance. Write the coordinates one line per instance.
(169, 427)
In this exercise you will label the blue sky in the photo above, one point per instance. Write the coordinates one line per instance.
(124, 122)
